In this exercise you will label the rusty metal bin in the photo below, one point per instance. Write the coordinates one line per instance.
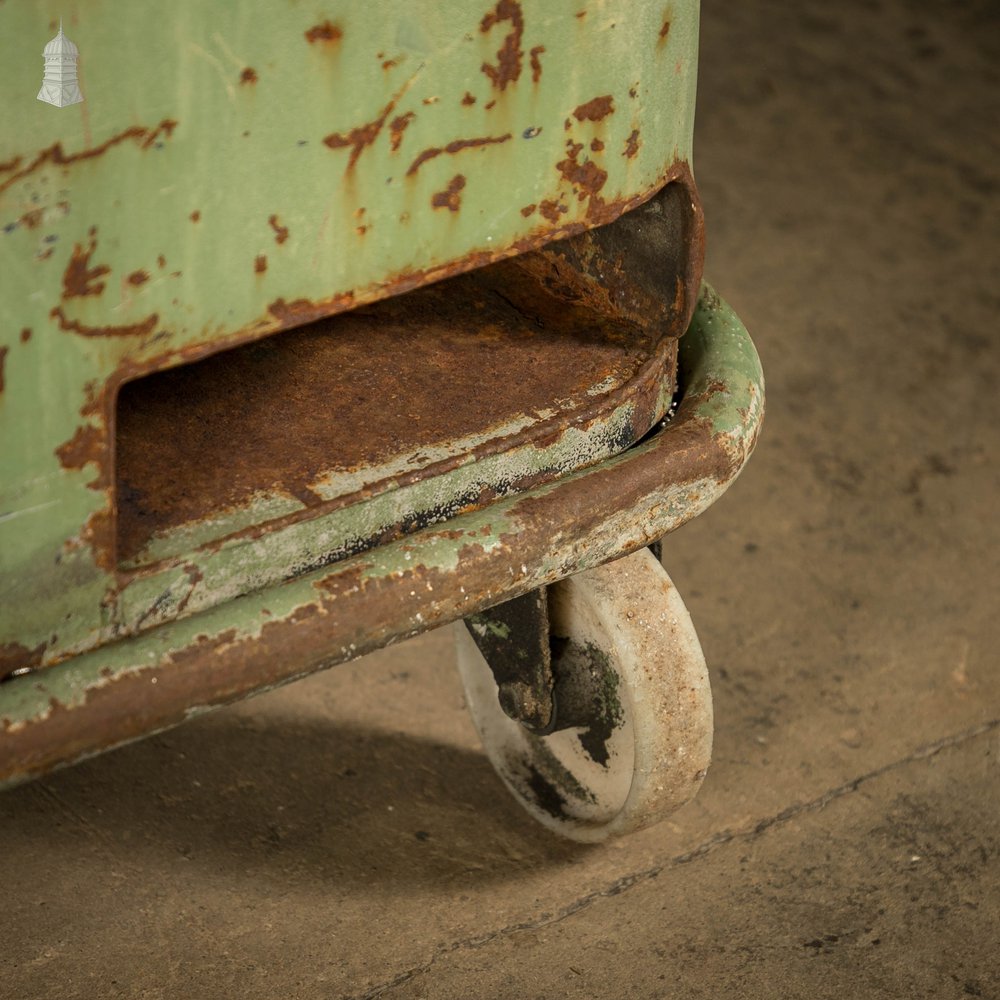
(339, 330)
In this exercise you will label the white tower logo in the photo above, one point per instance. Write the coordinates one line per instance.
(60, 86)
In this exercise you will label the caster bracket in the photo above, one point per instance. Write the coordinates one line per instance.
(514, 640)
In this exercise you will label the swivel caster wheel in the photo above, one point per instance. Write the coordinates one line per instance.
(631, 736)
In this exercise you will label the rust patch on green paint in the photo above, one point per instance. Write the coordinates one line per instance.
(80, 279)
(536, 63)
(509, 55)
(551, 210)
(454, 147)
(280, 231)
(397, 127)
(135, 329)
(88, 446)
(31, 219)
(450, 197)
(587, 179)
(249, 75)
(325, 33)
(55, 154)
(594, 110)
(360, 138)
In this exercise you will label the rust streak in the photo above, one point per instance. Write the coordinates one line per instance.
(260, 264)
(632, 144)
(361, 137)
(325, 32)
(509, 55)
(536, 63)
(55, 154)
(280, 231)
(664, 31)
(397, 127)
(595, 109)
(139, 277)
(454, 147)
(136, 329)
(11, 164)
(451, 197)
(249, 75)
(80, 279)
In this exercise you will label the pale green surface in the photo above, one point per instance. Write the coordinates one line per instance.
(717, 352)
(240, 153)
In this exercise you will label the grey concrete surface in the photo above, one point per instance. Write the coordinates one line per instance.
(345, 836)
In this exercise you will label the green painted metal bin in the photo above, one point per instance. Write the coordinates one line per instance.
(325, 325)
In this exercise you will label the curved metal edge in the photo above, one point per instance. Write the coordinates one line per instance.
(144, 685)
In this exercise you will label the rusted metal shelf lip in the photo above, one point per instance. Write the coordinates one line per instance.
(121, 692)
(646, 382)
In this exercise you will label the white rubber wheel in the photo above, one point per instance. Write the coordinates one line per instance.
(648, 744)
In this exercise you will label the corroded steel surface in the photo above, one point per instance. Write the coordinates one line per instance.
(137, 686)
(255, 466)
(487, 361)
(251, 167)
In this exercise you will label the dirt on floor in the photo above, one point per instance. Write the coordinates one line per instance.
(346, 837)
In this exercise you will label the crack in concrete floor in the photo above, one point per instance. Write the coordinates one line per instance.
(720, 839)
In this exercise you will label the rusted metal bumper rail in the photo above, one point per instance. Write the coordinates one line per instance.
(116, 694)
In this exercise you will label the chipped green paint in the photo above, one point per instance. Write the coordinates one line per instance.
(241, 564)
(717, 350)
(423, 573)
(498, 629)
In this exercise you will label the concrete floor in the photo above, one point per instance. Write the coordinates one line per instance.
(345, 837)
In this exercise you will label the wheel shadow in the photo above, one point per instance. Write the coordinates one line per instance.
(281, 799)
